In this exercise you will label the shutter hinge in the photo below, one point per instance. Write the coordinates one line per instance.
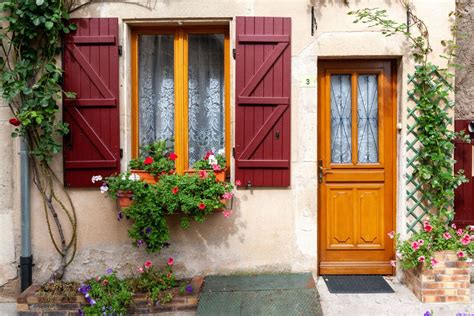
(120, 50)
(121, 152)
(234, 53)
(233, 152)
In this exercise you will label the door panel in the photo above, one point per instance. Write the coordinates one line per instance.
(357, 142)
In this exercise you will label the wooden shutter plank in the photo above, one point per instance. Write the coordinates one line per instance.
(263, 101)
(91, 70)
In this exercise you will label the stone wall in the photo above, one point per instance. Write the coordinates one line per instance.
(465, 75)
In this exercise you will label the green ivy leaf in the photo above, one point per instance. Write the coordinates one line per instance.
(49, 25)
(39, 2)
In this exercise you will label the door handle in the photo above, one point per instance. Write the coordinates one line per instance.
(322, 171)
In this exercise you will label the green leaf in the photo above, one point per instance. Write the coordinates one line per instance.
(39, 2)
(49, 25)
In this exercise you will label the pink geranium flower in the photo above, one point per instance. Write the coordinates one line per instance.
(148, 264)
(415, 245)
(391, 234)
(202, 174)
(238, 183)
(453, 226)
(421, 242)
(140, 269)
(227, 213)
(459, 232)
(393, 263)
(170, 261)
(216, 167)
(434, 262)
(421, 259)
(399, 255)
(446, 235)
(466, 239)
(427, 227)
(227, 196)
(461, 254)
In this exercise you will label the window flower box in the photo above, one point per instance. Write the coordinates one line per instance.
(145, 176)
(220, 175)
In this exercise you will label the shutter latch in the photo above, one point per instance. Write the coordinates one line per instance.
(233, 152)
(120, 50)
(234, 53)
(121, 152)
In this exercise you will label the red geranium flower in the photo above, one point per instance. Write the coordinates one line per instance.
(208, 154)
(14, 121)
(175, 190)
(105, 282)
(170, 261)
(173, 156)
(202, 206)
(148, 264)
(148, 160)
(238, 183)
(202, 174)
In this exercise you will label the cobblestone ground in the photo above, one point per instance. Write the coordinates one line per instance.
(400, 303)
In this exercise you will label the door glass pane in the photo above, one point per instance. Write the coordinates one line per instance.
(205, 94)
(155, 88)
(367, 119)
(341, 119)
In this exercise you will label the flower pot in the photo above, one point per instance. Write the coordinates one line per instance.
(125, 198)
(145, 176)
(448, 281)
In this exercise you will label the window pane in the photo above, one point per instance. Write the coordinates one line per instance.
(156, 88)
(206, 94)
(367, 119)
(341, 119)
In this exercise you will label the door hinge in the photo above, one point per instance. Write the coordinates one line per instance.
(120, 50)
(234, 52)
(121, 153)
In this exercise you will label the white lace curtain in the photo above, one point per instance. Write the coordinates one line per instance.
(205, 91)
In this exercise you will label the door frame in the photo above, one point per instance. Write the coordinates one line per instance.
(394, 69)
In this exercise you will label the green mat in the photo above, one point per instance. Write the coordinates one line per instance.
(281, 294)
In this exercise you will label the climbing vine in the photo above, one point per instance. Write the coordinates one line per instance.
(30, 83)
(431, 90)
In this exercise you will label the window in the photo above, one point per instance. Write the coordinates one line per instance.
(181, 90)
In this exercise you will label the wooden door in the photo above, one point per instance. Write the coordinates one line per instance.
(357, 146)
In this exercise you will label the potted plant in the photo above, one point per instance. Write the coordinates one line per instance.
(215, 163)
(155, 159)
(122, 187)
(437, 260)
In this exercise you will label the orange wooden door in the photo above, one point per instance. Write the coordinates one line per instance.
(357, 146)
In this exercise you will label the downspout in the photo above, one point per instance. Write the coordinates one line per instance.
(26, 259)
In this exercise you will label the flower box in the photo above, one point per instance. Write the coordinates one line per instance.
(30, 302)
(447, 281)
(220, 175)
(145, 176)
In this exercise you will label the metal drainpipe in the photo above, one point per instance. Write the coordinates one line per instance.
(26, 259)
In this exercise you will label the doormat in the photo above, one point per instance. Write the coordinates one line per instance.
(357, 284)
(279, 294)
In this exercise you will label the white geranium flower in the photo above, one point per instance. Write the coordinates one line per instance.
(212, 160)
(104, 188)
(221, 152)
(124, 177)
(134, 177)
(96, 178)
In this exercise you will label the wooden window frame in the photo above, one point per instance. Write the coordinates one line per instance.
(181, 87)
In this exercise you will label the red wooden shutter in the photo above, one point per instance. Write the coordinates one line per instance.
(90, 62)
(262, 119)
(464, 195)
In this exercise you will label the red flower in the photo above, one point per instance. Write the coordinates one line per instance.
(148, 160)
(14, 121)
(209, 153)
(105, 282)
(170, 261)
(202, 174)
(169, 275)
(173, 156)
(427, 226)
(202, 206)
(148, 264)
(175, 190)
(238, 183)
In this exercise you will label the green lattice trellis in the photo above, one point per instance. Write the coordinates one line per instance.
(417, 205)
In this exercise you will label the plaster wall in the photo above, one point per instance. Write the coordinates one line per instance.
(271, 230)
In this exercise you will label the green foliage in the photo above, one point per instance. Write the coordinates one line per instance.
(434, 164)
(155, 282)
(436, 235)
(30, 80)
(106, 294)
(210, 161)
(125, 181)
(156, 158)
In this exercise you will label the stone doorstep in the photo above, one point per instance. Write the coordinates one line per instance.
(29, 303)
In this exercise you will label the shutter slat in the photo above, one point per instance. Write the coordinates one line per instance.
(262, 119)
(90, 60)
